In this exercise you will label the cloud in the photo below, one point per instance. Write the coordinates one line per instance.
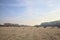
(55, 13)
(15, 3)
(37, 11)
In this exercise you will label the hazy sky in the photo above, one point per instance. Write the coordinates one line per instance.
(29, 12)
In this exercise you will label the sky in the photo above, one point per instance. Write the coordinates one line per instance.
(29, 12)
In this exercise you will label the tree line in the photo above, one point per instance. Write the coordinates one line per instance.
(12, 25)
(44, 24)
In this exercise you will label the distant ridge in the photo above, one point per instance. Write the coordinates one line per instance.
(50, 24)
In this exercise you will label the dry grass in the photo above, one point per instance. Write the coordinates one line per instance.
(29, 33)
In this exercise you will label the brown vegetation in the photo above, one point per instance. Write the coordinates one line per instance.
(29, 33)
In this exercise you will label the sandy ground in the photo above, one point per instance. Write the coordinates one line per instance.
(29, 33)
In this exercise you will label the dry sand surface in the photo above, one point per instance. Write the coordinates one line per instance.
(29, 33)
